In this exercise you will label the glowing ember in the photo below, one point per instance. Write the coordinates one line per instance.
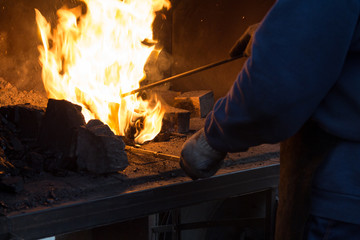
(90, 59)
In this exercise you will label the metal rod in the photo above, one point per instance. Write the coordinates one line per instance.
(181, 75)
(152, 153)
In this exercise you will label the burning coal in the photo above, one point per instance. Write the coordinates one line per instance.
(91, 58)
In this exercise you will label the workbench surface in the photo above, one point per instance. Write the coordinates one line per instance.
(52, 205)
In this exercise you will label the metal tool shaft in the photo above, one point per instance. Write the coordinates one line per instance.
(181, 75)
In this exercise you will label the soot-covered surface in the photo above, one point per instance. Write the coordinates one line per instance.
(143, 172)
(34, 189)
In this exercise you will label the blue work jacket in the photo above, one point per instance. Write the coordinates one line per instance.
(305, 65)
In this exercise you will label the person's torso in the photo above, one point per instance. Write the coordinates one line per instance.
(339, 113)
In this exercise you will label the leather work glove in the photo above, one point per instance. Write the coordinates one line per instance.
(198, 159)
(244, 43)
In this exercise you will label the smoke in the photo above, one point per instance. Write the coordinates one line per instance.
(19, 40)
(3, 43)
(157, 68)
(22, 70)
(19, 63)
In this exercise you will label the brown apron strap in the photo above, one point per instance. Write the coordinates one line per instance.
(300, 156)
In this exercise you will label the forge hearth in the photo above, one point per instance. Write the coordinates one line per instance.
(40, 181)
(67, 151)
(57, 139)
(37, 184)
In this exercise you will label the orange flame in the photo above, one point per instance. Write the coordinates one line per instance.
(91, 59)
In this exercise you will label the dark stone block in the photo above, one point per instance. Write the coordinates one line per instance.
(176, 120)
(199, 103)
(60, 127)
(99, 150)
(25, 117)
(12, 184)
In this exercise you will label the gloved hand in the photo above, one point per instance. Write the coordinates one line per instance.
(244, 43)
(198, 159)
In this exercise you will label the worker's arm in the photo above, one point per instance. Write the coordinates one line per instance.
(297, 56)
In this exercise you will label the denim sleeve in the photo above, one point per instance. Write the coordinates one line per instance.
(297, 56)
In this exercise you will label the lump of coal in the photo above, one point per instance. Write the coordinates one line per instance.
(99, 150)
(6, 167)
(11, 184)
(25, 117)
(59, 129)
(35, 161)
(99, 128)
